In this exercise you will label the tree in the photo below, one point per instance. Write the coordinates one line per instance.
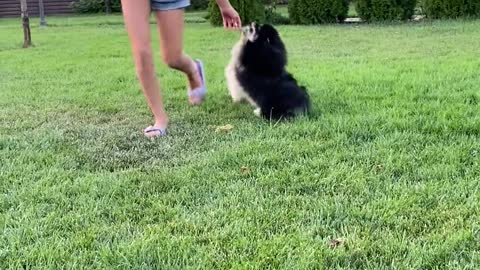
(27, 36)
(41, 10)
(108, 6)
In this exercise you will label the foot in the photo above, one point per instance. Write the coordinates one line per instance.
(198, 90)
(153, 132)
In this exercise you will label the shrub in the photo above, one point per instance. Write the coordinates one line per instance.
(95, 6)
(317, 11)
(277, 2)
(385, 10)
(249, 11)
(274, 17)
(198, 4)
(436, 9)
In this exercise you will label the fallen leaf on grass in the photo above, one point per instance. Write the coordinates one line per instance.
(245, 170)
(334, 243)
(378, 168)
(226, 128)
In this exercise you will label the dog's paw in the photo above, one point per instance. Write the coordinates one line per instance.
(257, 112)
(237, 99)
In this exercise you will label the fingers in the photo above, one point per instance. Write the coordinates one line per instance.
(232, 24)
(236, 25)
(238, 22)
(227, 24)
(231, 20)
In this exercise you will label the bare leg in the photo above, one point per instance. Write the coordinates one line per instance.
(170, 25)
(136, 14)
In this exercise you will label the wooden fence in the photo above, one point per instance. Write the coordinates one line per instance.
(11, 8)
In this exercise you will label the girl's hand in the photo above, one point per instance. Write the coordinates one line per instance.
(231, 19)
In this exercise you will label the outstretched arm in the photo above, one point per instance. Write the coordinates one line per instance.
(231, 19)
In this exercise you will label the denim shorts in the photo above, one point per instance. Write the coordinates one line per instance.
(169, 4)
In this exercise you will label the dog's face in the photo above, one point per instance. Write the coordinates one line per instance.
(261, 50)
(249, 33)
(263, 33)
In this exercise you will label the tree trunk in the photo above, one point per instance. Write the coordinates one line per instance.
(108, 6)
(42, 13)
(27, 36)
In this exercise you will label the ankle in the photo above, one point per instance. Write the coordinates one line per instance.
(162, 123)
(192, 70)
(194, 76)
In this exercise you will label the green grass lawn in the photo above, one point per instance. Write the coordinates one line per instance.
(388, 164)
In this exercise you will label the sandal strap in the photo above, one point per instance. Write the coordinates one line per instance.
(162, 131)
(198, 92)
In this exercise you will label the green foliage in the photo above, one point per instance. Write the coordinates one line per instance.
(317, 11)
(273, 16)
(198, 5)
(95, 6)
(276, 2)
(436, 9)
(249, 11)
(385, 10)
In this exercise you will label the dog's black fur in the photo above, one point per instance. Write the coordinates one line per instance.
(262, 74)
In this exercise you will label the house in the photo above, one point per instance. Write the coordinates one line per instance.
(11, 8)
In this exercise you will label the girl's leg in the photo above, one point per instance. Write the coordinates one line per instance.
(136, 14)
(170, 25)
